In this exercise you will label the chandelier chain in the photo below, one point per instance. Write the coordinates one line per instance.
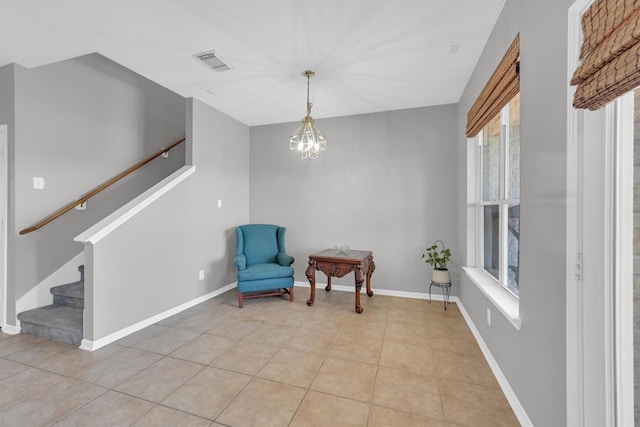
(309, 104)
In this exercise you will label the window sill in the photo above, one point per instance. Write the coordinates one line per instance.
(506, 303)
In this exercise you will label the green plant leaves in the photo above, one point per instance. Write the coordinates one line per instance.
(438, 259)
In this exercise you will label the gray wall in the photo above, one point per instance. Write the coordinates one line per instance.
(78, 123)
(533, 359)
(151, 263)
(386, 183)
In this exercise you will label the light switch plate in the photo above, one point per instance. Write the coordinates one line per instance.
(38, 183)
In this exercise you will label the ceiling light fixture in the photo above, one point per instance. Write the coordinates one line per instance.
(307, 139)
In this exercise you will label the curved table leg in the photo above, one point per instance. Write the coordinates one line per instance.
(359, 280)
(328, 287)
(371, 268)
(311, 276)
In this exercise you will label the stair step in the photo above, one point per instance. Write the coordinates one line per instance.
(54, 322)
(69, 295)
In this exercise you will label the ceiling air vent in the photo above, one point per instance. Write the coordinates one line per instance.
(213, 60)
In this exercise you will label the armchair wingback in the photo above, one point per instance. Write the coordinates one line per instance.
(264, 268)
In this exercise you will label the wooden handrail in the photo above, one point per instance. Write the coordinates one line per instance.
(97, 189)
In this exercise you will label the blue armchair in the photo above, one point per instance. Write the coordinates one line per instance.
(264, 268)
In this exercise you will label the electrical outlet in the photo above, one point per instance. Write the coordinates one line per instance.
(219, 203)
(201, 275)
(488, 317)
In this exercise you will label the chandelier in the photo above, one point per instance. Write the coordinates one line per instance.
(307, 139)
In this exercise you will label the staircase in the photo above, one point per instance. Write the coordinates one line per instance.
(61, 321)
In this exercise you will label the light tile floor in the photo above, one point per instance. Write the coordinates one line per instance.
(402, 362)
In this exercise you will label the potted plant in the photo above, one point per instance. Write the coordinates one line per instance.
(438, 259)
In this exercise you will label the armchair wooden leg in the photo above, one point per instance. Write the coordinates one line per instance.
(240, 301)
(290, 294)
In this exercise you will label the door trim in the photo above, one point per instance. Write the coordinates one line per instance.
(4, 183)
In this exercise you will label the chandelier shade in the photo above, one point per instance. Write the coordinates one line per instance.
(307, 139)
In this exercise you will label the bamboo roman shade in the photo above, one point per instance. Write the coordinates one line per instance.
(503, 85)
(610, 53)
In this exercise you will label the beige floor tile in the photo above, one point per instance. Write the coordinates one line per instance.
(51, 404)
(207, 393)
(453, 337)
(311, 340)
(401, 315)
(320, 409)
(141, 335)
(292, 367)
(165, 341)
(204, 349)
(235, 328)
(409, 392)
(472, 405)
(116, 369)
(161, 379)
(288, 318)
(409, 357)
(409, 304)
(345, 378)
(468, 367)
(246, 357)
(358, 349)
(72, 361)
(39, 352)
(10, 368)
(167, 417)
(25, 384)
(16, 343)
(323, 321)
(197, 322)
(407, 332)
(385, 417)
(317, 360)
(263, 403)
(272, 334)
(359, 327)
(110, 409)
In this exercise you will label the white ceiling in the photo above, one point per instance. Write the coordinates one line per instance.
(368, 55)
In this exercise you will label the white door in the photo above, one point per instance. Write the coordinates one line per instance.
(3, 224)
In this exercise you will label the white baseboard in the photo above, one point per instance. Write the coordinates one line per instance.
(10, 329)
(517, 407)
(437, 296)
(90, 345)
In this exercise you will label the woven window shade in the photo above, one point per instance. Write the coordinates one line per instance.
(503, 85)
(610, 53)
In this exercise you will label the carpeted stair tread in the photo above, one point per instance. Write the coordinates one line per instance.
(55, 316)
(72, 290)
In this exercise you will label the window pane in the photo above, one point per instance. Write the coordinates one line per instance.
(514, 148)
(513, 249)
(491, 160)
(492, 240)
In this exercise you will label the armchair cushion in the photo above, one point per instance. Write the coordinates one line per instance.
(264, 271)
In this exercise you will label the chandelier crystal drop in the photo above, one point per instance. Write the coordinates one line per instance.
(308, 140)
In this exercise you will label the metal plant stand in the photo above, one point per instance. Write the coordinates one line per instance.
(446, 291)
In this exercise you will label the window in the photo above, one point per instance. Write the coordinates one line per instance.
(499, 206)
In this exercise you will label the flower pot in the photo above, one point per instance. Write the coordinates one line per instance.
(440, 276)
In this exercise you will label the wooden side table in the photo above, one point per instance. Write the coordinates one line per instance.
(337, 264)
